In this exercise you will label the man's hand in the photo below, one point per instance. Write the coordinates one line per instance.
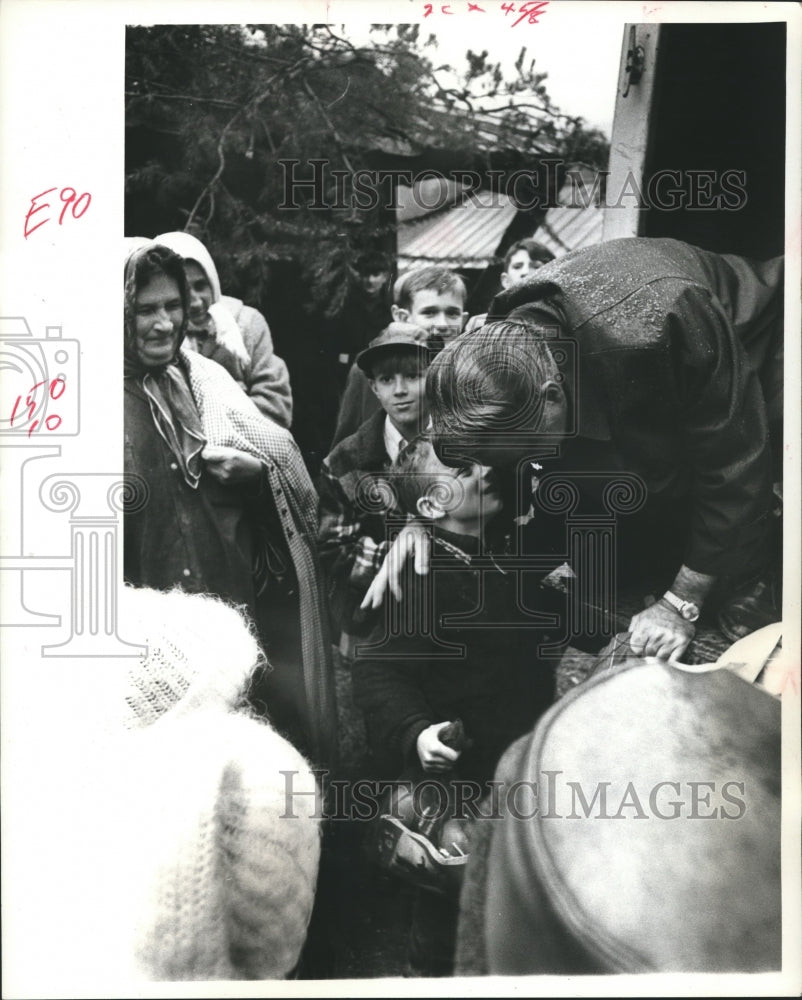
(660, 631)
(412, 539)
(229, 465)
(434, 755)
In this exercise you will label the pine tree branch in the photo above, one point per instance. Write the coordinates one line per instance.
(164, 96)
(332, 128)
(221, 156)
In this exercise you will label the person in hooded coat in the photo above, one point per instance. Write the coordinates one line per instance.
(234, 335)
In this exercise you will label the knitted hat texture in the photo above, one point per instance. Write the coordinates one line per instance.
(174, 834)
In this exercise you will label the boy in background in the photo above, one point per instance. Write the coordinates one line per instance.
(522, 259)
(432, 298)
(352, 540)
(520, 262)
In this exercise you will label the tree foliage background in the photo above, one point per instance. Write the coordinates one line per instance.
(211, 110)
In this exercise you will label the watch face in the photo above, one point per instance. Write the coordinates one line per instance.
(690, 612)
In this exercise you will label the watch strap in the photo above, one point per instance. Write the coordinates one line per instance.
(688, 610)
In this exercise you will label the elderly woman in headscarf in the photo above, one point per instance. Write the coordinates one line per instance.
(234, 335)
(225, 504)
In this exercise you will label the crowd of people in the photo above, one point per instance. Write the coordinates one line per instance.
(416, 554)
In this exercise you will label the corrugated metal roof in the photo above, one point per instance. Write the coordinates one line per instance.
(565, 228)
(466, 235)
(505, 127)
(429, 195)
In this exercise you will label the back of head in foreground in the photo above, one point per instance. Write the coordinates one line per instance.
(185, 864)
(649, 839)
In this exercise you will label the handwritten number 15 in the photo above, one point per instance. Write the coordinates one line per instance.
(55, 390)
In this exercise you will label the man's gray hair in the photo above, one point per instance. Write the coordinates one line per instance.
(490, 380)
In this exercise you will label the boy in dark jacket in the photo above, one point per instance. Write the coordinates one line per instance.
(459, 646)
(466, 648)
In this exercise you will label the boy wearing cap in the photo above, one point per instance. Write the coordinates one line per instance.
(430, 297)
(354, 498)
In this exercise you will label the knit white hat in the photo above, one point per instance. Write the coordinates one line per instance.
(201, 653)
(168, 856)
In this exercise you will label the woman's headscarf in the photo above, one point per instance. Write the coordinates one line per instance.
(224, 326)
(191, 248)
(133, 243)
(144, 259)
(172, 407)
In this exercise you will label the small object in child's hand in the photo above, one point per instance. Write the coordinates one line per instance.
(453, 736)
(428, 820)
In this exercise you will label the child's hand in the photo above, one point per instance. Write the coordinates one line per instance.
(434, 755)
(413, 539)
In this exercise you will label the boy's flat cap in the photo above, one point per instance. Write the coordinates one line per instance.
(397, 335)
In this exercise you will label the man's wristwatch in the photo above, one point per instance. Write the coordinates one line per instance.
(689, 611)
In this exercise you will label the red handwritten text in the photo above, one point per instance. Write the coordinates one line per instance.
(56, 387)
(68, 196)
(531, 9)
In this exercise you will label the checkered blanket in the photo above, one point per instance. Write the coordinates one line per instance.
(230, 418)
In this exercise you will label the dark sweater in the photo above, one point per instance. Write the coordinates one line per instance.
(485, 671)
(358, 404)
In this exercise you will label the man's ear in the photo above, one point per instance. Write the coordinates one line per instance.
(464, 321)
(552, 391)
(429, 509)
(554, 406)
(372, 384)
(505, 279)
(399, 315)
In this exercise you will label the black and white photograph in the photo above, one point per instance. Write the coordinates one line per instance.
(400, 474)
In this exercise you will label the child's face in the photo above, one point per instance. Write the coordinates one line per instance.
(373, 282)
(200, 293)
(469, 494)
(440, 313)
(519, 268)
(400, 390)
